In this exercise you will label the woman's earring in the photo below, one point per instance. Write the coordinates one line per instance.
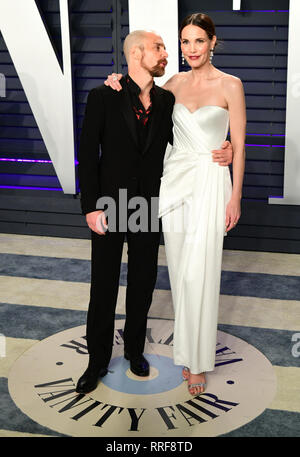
(182, 58)
(211, 55)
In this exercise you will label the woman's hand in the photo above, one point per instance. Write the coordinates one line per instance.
(233, 213)
(113, 81)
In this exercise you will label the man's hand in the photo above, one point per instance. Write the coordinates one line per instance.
(97, 222)
(113, 81)
(223, 156)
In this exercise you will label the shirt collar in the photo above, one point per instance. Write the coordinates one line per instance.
(134, 88)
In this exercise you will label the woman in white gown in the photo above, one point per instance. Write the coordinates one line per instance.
(198, 203)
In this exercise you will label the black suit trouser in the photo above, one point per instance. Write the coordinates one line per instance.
(105, 273)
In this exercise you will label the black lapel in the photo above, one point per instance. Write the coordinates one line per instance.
(159, 107)
(127, 110)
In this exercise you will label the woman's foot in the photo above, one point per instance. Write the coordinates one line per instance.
(185, 373)
(197, 383)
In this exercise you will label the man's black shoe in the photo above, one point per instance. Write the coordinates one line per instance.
(89, 380)
(138, 364)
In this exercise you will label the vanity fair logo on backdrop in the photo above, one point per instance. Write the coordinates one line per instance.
(49, 90)
(47, 86)
(242, 385)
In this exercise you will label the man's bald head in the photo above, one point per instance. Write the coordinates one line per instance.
(145, 51)
(136, 38)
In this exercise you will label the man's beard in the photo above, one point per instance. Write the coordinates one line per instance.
(157, 70)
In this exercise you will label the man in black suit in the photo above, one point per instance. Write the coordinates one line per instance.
(133, 127)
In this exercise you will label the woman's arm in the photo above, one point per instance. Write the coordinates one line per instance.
(234, 94)
(113, 79)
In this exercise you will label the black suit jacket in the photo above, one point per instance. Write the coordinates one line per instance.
(109, 122)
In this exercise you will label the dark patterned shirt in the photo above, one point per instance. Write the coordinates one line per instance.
(143, 116)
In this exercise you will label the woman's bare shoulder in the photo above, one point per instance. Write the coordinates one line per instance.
(232, 89)
(176, 79)
(230, 82)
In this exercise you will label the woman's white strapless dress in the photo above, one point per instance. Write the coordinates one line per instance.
(194, 193)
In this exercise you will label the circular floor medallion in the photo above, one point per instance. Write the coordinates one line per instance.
(42, 384)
